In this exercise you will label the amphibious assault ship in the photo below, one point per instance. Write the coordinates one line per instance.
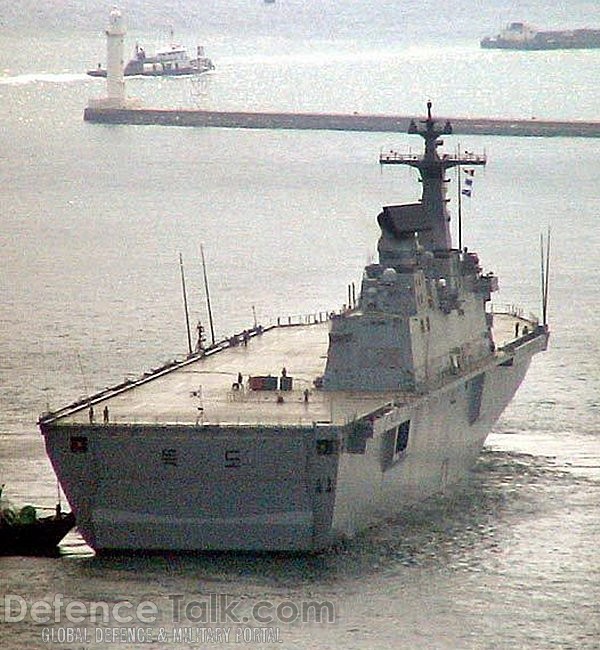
(286, 438)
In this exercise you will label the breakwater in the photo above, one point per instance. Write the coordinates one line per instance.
(335, 122)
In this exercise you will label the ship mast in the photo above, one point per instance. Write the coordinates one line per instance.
(432, 169)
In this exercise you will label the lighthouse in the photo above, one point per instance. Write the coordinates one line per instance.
(115, 82)
(115, 37)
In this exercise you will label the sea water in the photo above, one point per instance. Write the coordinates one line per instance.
(94, 218)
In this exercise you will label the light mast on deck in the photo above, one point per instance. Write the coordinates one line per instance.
(432, 169)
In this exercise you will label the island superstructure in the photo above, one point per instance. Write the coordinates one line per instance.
(289, 437)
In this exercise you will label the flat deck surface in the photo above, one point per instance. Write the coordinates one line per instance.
(202, 391)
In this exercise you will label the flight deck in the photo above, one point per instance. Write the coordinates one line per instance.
(269, 377)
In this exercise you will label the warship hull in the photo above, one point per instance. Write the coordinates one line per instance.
(376, 407)
(199, 486)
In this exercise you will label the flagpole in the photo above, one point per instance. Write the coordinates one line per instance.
(458, 169)
(542, 277)
(547, 279)
(210, 318)
(185, 304)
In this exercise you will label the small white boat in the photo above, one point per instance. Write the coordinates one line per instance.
(171, 61)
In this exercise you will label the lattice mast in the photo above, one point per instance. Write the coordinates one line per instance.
(432, 169)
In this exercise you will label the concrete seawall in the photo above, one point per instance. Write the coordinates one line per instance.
(335, 122)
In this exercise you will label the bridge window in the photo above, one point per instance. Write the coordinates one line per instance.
(393, 444)
(402, 436)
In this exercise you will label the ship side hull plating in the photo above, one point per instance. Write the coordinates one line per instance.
(445, 433)
(190, 488)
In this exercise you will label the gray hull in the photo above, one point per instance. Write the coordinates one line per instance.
(189, 488)
(388, 402)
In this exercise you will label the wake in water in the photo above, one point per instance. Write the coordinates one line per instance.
(327, 54)
(41, 77)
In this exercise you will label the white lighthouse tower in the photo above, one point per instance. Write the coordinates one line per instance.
(115, 37)
(115, 81)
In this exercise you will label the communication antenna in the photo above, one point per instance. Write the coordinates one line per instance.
(45, 389)
(210, 318)
(545, 274)
(185, 304)
(459, 188)
(83, 377)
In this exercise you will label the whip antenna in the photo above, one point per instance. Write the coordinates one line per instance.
(185, 304)
(545, 274)
(210, 318)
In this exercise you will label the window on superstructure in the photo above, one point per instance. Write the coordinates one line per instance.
(393, 445)
(402, 437)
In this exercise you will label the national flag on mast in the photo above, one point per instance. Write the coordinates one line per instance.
(470, 172)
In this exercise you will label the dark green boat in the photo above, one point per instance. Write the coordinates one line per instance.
(22, 532)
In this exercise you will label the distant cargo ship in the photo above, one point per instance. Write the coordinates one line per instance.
(171, 61)
(521, 36)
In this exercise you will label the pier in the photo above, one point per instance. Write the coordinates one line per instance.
(336, 122)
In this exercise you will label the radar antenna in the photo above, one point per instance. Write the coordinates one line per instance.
(432, 169)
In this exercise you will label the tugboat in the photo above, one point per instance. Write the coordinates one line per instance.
(172, 61)
(22, 532)
(290, 437)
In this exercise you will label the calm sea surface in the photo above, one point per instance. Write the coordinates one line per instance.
(93, 219)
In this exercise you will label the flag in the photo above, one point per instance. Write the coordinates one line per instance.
(466, 192)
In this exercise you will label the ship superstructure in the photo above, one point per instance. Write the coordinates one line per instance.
(291, 436)
(427, 298)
